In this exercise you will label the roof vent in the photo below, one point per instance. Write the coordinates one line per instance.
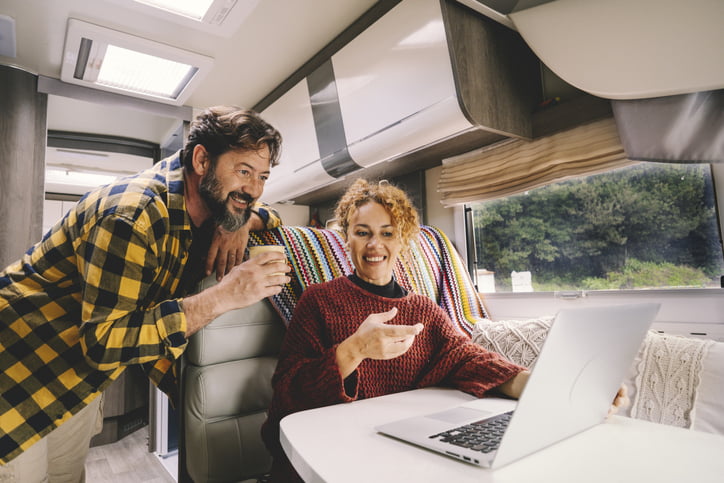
(114, 61)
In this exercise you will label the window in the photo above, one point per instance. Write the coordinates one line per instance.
(78, 162)
(644, 226)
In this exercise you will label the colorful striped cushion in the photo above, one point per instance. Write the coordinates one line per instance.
(432, 268)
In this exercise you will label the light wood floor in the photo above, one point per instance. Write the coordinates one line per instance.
(126, 461)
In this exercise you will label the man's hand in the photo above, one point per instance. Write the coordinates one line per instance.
(227, 248)
(244, 285)
(375, 339)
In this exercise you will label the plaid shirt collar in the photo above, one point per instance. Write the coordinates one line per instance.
(178, 216)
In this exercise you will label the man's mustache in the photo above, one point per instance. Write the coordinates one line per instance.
(243, 196)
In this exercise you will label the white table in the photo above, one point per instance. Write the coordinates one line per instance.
(339, 444)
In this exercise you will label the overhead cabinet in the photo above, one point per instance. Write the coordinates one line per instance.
(429, 78)
(299, 165)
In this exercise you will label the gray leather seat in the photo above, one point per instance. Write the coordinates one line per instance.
(225, 391)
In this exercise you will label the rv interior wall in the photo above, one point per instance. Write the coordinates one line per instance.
(297, 215)
(437, 214)
(22, 146)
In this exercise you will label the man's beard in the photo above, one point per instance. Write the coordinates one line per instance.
(210, 191)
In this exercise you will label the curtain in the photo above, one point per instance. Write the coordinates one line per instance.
(686, 128)
(515, 166)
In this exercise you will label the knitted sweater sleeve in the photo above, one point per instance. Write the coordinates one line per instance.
(460, 363)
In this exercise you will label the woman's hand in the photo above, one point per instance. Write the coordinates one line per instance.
(620, 401)
(375, 339)
(514, 386)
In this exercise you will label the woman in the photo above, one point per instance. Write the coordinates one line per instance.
(364, 335)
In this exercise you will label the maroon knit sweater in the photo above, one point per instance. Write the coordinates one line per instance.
(307, 375)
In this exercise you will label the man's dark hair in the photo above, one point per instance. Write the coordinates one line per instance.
(224, 128)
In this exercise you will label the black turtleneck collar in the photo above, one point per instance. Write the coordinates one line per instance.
(392, 290)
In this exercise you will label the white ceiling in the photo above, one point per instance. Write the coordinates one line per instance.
(279, 36)
(275, 39)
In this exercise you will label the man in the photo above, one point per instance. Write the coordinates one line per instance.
(105, 288)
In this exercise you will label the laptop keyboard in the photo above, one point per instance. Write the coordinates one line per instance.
(483, 436)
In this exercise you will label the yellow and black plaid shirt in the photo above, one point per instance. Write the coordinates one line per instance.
(100, 292)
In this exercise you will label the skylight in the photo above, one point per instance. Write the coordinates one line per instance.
(212, 12)
(195, 9)
(115, 61)
(217, 17)
(138, 72)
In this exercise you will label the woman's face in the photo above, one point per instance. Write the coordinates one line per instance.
(374, 243)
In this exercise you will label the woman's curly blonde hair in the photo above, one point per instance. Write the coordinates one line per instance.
(396, 202)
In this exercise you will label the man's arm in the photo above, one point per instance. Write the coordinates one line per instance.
(244, 285)
(120, 260)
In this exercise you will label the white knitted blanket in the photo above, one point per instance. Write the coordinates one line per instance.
(668, 379)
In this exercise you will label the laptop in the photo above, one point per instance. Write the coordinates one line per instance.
(583, 361)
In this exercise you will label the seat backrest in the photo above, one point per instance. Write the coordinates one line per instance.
(228, 365)
(225, 391)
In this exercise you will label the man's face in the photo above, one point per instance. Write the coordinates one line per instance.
(232, 184)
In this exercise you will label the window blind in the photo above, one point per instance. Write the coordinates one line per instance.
(515, 166)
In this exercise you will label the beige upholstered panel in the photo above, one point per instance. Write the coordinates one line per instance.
(226, 391)
(225, 406)
(249, 332)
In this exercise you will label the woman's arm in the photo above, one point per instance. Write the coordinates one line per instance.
(458, 362)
